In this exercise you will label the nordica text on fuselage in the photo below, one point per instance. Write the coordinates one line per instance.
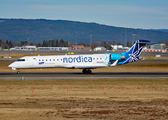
(77, 59)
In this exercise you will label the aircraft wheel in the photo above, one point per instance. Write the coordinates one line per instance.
(84, 71)
(18, 71)
(89, 72)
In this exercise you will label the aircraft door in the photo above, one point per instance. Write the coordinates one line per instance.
(31, 61)
(109, 57)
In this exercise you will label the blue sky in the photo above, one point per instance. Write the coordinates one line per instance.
(143, 14)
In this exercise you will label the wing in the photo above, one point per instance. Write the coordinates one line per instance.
(84, 67)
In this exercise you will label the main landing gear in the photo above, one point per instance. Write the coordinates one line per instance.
(87, 71)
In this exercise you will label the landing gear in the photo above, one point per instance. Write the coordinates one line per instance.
(87, 71)
(18, 71)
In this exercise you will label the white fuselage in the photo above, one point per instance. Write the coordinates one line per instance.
(65, 61)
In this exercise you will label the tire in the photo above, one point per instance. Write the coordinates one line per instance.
(84, 71)
(89, 72)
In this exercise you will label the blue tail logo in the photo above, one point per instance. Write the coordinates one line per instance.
(135, 51)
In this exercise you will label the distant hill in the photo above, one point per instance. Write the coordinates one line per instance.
(37, 30)
(165, 30)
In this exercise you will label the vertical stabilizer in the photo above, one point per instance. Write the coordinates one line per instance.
(135, 51)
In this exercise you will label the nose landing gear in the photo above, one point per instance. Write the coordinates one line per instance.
(87, 71)
(18, 71)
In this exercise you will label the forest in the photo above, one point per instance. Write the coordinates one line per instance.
(38, 30)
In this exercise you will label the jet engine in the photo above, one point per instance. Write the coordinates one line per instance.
(116, 56)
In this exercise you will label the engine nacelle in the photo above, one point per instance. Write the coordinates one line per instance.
(124, 54)
(116, 56)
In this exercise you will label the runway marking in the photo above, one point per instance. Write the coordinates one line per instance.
(103, 90)
(32, 91)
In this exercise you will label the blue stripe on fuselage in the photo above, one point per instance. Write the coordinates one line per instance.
(40, 63)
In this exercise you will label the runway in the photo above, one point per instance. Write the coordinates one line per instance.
(76, 75)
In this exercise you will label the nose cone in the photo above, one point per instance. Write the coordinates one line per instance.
(12, 66)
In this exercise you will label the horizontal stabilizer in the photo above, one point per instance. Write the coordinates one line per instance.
(145, 42)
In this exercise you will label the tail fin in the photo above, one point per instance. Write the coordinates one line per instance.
(135, 51)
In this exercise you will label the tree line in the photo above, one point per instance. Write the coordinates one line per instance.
(5, 44)
(53, 43)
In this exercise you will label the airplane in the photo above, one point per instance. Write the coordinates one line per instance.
(85, 62)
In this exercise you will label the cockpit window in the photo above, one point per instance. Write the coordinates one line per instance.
(21, 60)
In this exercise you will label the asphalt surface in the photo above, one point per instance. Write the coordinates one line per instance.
(78, 75)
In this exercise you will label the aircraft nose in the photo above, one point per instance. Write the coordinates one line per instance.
(12, 66)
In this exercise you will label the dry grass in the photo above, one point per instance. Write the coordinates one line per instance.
(124, 99)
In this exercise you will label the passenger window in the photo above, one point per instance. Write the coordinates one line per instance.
(50, 59)
(46, 59)
(57, 59)
(53, 59)
(39, 60)
(42, 60)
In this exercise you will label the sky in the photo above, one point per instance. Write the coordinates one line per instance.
(143, 14)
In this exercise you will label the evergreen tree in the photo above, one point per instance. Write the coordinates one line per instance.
(10, 44)
(45, 43)
(39, 45)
